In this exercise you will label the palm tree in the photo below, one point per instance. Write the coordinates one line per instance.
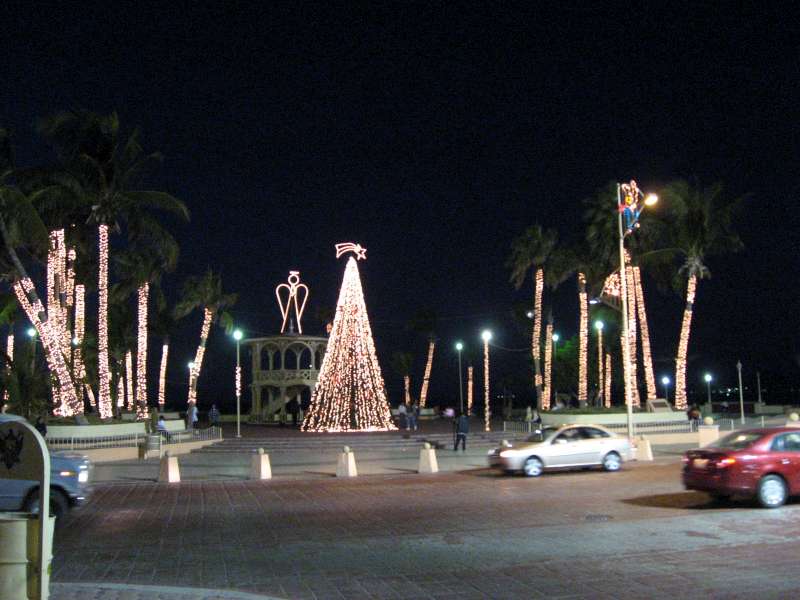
(163, 324)
(98, 167)
(23, 232)
(702, 226)
(402, 362)
(531, 251)
(424, 322)
(204, 292)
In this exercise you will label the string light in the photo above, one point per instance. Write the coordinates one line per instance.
(78, 368)
(536, 338)
(607, 393)
(469, 390)
(407, 384)
(423, 393)
(26, 295)
(600, 387)
(548, 367)
(683, 345)
(129, 399)
(583, 342)
(103, 371)
(120, 392)
(10, 354)
(141, 355)
(292, 288)
(238, 381)
(162, 376)
(634, 363)
(194, 372)
(647, 357)
(487, 413)
(350, 394)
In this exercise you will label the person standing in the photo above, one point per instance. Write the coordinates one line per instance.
(413, 411)
(461, 426)
(191, 416)
(402, 416)
(213, 416)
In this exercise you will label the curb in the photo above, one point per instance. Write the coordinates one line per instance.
(100, 591)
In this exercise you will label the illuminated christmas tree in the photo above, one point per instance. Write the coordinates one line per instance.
(350, 394)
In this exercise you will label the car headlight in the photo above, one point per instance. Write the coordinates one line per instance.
(83, 476)
(67, 473)
(506, 453)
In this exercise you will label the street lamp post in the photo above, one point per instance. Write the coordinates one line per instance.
(32, 334)
(665, 382)
(636, 196)
(237, 335)
(486, 336)
(708, 379)
(460, 347)
(741, 392)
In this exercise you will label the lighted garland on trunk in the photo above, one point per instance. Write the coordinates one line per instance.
(350, 394)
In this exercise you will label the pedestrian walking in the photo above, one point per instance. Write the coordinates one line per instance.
(411, 416)
(461, 429)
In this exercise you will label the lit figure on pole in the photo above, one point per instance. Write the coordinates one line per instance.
(292, 288)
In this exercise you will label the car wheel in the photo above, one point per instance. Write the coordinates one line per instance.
(612, 462)
(533, 467)
(59, 505)
(772, 491)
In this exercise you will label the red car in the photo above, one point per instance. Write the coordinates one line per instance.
(760, 463)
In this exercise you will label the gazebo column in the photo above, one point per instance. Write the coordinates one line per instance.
(255, 411)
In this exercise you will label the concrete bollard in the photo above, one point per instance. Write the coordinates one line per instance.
(644, 450)
(793, 420)
(427, 460)
(169, 471)
(707, 434)
(346, 467)
(259, 466)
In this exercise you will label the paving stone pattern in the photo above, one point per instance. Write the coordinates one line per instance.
(471, 534)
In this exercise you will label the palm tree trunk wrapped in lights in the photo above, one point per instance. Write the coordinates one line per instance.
(10, 355)
(162, 376)
(600, 369)
(103, 370)
(683, 345)
(407, 385)
(634, 364)
(470, 389)
(129, 397)
(423, 394)
(32, 306)
(141, 354)
(607, 382)
(78, 368)
(647, 357)
(536, 337)
(487, 413)
(54, 312)
(583, 341)
(547, 392)
(208, 316)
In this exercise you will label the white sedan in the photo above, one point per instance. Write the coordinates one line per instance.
(562, 447)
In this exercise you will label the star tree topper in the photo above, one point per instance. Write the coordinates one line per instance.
(357, 249)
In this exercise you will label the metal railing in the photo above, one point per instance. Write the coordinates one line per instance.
(683, 426)
(191, 435)
(105, 441)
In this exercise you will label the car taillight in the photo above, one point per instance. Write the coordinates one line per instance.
(685, 460)
(726, 462)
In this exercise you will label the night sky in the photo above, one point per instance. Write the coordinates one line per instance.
(433, 134)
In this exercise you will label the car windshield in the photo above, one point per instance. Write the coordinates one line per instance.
(737, 441)
(541, 434)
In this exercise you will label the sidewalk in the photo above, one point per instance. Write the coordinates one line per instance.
(118, 591)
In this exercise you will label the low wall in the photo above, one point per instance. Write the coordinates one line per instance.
(664, 439)
(90, 431)
(558, 418)
(105, 455)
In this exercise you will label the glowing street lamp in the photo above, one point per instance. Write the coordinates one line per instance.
(459, 348)
(665, 382)
(486, 336)
(31, 332)
(598, 325)
(238, 335)
(708, 379)
(629, 206)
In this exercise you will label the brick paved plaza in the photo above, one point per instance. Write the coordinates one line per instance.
(467, 534)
